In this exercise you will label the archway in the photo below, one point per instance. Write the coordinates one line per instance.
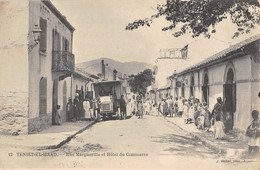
(205, 89)
(229, 95)
(192, 87)
(65, 116)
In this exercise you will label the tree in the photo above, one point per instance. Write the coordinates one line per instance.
(201, 16)
(141, 81)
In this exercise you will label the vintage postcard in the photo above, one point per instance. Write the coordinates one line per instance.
(129, 84)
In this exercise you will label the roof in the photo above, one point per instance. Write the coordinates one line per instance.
(83, 75)
(111, 81)
(58, 14)
(221, 54)
(164, 88)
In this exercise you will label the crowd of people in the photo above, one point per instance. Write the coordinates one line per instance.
(195, 112)
(141, 105)
(191, 110)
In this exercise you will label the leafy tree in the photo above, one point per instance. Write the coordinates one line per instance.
(141, 81)
(201, 16)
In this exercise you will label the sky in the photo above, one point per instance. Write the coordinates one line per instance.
(100, 32)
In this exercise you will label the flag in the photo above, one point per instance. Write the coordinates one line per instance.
(184, 52)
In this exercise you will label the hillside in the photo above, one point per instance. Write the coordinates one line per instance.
(129, 68)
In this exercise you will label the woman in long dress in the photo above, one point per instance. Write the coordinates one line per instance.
(58, 116)
(206, 116)
(191, 113)
(219, 128)
(185, 115)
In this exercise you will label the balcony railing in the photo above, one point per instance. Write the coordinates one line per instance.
(63, 61)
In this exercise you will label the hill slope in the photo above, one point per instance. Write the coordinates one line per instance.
(129, 68)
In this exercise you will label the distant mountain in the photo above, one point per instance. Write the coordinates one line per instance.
(128, 68)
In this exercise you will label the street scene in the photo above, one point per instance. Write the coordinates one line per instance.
(130, 85)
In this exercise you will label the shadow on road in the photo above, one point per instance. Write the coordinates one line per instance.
(185, 146)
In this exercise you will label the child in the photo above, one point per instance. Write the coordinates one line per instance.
(201, 117)
(219, 128)
(253, 133)
(191, 113)
(58, 116)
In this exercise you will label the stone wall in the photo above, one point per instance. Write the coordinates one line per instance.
(13, 113)
(39, 123)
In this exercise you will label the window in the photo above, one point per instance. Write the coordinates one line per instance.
(65, 44)
(43, 35)
(55, 40)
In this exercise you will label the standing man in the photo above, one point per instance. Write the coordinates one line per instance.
(218, 110)
(76, 108)
(133, 105)
(86, 108)
(122, 104)
(69, 109)
(180, 106)
(170, 104)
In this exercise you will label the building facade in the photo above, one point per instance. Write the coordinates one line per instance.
(232, 74)
(169, 62)
(42, 64)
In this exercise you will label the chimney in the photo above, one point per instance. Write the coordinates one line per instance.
(103, 69)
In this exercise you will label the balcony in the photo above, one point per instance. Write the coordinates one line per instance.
(63, 61)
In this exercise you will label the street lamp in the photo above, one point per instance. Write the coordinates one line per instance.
(36, 33)
(36, 37)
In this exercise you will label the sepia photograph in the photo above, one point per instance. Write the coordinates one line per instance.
(130, 84)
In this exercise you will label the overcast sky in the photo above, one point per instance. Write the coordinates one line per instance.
(100, 31)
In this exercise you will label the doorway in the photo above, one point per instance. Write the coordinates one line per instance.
(54, 100)
(230, 98)
(192, 87)
(43, 96)
(64, 116)
(205, 89)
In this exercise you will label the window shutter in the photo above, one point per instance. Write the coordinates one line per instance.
(63, 44)
(43, 35)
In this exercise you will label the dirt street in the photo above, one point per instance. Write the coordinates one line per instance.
(148, 143)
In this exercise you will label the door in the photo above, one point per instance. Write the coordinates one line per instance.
(65, 117)
(54, 100)
(43, 96)
(229, 99)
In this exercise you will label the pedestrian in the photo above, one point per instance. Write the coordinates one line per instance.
(191, 113)
(147, 107)
(133, 105)
(165, 108)
(122, 105)
(206, 116)
(86, 107)
(170, 106)
(160, 108)
(58, 116)
(253, 132)
(76, 107)
(197, 109)
(176, 106)
(185, 114)
(180, 106)
(218, 110)
(219, 128)
(140, 107)
(69, 109)
(201, 117)
(150, 105)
